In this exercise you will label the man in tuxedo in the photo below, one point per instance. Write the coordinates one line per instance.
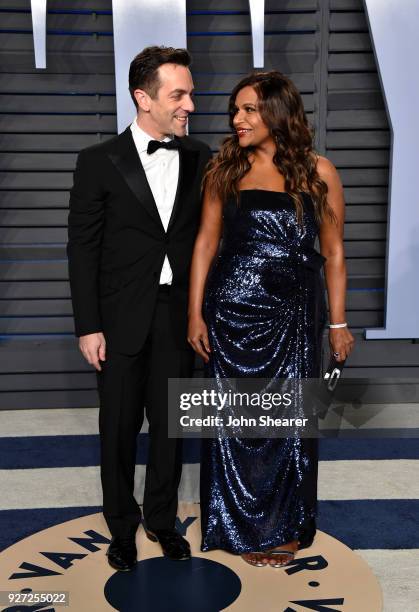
(134, 213)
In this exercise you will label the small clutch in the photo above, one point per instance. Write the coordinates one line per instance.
(326, 387)
(332, 374)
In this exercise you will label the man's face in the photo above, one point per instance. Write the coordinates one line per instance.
(168, 113)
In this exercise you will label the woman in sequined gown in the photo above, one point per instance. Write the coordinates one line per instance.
(257, 309)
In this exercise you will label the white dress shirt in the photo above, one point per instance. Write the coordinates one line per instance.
(162, 172)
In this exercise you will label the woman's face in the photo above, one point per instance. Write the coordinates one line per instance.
(248, 123)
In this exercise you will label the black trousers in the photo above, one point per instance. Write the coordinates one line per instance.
(126, 384)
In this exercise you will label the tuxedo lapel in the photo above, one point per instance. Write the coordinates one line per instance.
(188, 159)
(126, 159)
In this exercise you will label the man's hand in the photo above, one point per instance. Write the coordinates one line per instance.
(93, 347)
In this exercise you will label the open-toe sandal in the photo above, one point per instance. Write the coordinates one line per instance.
(277, 554)
(256, 563)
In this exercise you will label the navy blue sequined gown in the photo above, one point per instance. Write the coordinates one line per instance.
(265, 311)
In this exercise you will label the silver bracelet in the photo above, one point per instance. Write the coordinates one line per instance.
(337, 325)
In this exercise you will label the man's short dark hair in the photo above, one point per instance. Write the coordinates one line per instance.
(143, 69)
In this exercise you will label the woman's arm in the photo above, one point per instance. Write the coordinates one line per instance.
(331, 246)
(206, 245)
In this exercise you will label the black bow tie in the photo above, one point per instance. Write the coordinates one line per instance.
(153, 145)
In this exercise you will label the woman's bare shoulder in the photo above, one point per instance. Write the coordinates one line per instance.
(324, 165)
(327, 171)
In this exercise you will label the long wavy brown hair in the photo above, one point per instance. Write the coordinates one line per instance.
(281, 109)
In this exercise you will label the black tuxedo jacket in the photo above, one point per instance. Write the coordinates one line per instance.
(117, 243)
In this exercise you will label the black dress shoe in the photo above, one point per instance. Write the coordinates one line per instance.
(172, 543)
(122, 553)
